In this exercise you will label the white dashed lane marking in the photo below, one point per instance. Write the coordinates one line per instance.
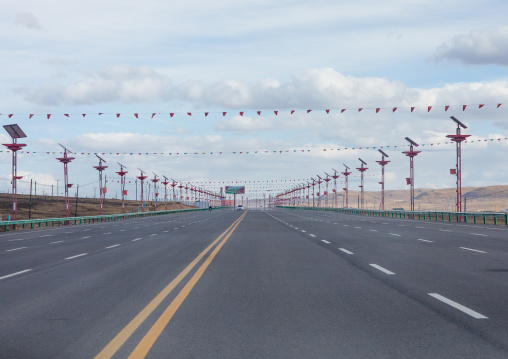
(13, 274)
(384, 270)
(474, 250)
(458, 306)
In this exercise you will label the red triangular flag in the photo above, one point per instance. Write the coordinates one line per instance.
(171, 114)
(153, 114)
(189, 113)
(224, 114)
(276, 112)
(360, 109)
(100, 113)
(117, 115)
(480, 106)
(206, 114)
(394, 109)
(49, 115)
(308, 111)
(499, 104)
(341, 111)
(12, 114)
(136, 115)
(464, 107)
(446, 108)
(259, 113)
(327, 111)
(31, 115)
(66, 114)
(429, 108)
(293, 111)
(241, 113)
(377, 109)
(412, 109)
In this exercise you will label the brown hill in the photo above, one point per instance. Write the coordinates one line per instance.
(492, 198)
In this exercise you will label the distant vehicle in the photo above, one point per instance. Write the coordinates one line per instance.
(239, 208)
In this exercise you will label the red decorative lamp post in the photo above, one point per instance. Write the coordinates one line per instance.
(15, 132)
(66, 160)
(122, 174)
(383, 163)
(411, 180)
(458, 138)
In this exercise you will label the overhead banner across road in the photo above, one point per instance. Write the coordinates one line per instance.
(235, 189)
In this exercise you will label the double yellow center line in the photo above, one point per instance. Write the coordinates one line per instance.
(149, 339)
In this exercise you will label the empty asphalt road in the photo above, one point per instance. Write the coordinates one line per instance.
(255, 284)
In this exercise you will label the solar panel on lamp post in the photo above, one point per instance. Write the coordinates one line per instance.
(15, 132)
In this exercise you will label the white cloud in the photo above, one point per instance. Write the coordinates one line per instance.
(112, 84)
(28, 20)
(479, 47)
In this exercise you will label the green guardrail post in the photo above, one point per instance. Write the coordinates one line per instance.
(495, 220)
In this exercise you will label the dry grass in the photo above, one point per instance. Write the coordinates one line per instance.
(54, 207)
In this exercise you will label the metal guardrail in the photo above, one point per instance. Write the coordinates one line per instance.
(466, 217)
(51, 222)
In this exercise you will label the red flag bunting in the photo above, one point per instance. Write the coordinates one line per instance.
(446, 108)
(480, 106)
(429, 108)
(394, 109)
(327, 111)
(136, 115)
(241, 113)
(66, 114)
(84, 114)
(189, 113)
(308, 111)
(171, 114)
(224, 114)
(206, 114)
(464, 107)
(499, 104)
(341, 111)
(153, 114)
(293, 111)
(377, 109)
(10, 115)
(276, 112)
(412, 109)
(117, 115)
(100, 113)
(49, 115)
(259, 113)
(360, 109)
(31, 115)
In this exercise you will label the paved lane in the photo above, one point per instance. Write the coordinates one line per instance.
(276, 284)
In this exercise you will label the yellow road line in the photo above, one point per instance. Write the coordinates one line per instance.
(134, 324)
(149, 339)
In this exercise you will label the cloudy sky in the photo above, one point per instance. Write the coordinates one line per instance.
(159, 57)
